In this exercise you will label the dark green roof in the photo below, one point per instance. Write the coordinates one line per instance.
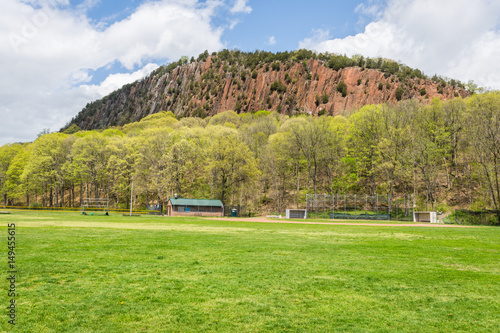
(195, 202)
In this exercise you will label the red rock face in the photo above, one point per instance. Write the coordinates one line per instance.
(207, 88)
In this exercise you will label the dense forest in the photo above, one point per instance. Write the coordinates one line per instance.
(447, 153)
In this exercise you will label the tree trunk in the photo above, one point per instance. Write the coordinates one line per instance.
(51, 198)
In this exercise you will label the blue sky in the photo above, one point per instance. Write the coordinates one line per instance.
(58, 55)
(270, 25)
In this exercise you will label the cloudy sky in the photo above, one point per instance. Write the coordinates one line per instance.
(58, 55)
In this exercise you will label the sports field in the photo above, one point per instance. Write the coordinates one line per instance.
(157, 274)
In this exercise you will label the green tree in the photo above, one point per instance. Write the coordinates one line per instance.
(454, 112)
(277, 164)
(14, 187)
(72, 129)
(7, 154)
(151, 175)
(44, 171)
(430, 147)
(89, 158)
(120, 166)
(395, 146)
(230, 165)
(365, 132)
(483, 118)
(312, 138)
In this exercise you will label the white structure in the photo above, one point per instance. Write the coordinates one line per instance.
(95, 204)
(296, 213)
(425, 217)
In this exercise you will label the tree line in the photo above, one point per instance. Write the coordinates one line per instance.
(447, 153)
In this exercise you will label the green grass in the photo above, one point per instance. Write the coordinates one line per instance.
(153, 274)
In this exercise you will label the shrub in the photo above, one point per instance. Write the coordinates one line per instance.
(243, 75)
(399, 93)
(423, 92)
(278, 86)
(342, 88)
(325, 98)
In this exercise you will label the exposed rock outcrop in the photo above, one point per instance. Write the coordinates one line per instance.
(213, 85)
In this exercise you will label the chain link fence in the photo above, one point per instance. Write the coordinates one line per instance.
(474, 217)
(360, 207)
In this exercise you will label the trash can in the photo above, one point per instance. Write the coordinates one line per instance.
(234, 212)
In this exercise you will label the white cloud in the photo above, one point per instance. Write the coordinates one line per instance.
(233, 24)
(116, 81)
(240, 6)
(371, 8)
(48, 49)
(454, 38)
(271, 40)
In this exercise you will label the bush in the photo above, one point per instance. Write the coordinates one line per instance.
(324, 98)
(35, 205)
(423, 92)
(342, 88)
(243, 75)
(399, 93)
(380, 86)
(278, 86)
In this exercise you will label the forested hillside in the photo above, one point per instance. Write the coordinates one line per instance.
(290, 83)
(446, 152)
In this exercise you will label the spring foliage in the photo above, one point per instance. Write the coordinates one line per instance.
(448, 153)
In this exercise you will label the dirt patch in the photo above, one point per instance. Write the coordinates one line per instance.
(332, 222)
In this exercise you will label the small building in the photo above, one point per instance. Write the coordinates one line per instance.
(194, 207)
(425, 217)
(296, 213)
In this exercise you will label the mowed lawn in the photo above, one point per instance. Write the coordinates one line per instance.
(157, 274)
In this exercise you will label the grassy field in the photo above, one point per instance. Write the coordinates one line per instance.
(153, 274)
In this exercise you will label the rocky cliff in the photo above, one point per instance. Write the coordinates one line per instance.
(289, 84)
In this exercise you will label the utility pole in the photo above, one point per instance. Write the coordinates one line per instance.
(131, 191)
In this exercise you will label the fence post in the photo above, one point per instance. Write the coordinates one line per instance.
(406, 208)
(333, 205)
(345, 207)
(396, 202)
(389, 205)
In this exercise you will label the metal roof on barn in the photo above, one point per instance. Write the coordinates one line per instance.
(195, 202)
